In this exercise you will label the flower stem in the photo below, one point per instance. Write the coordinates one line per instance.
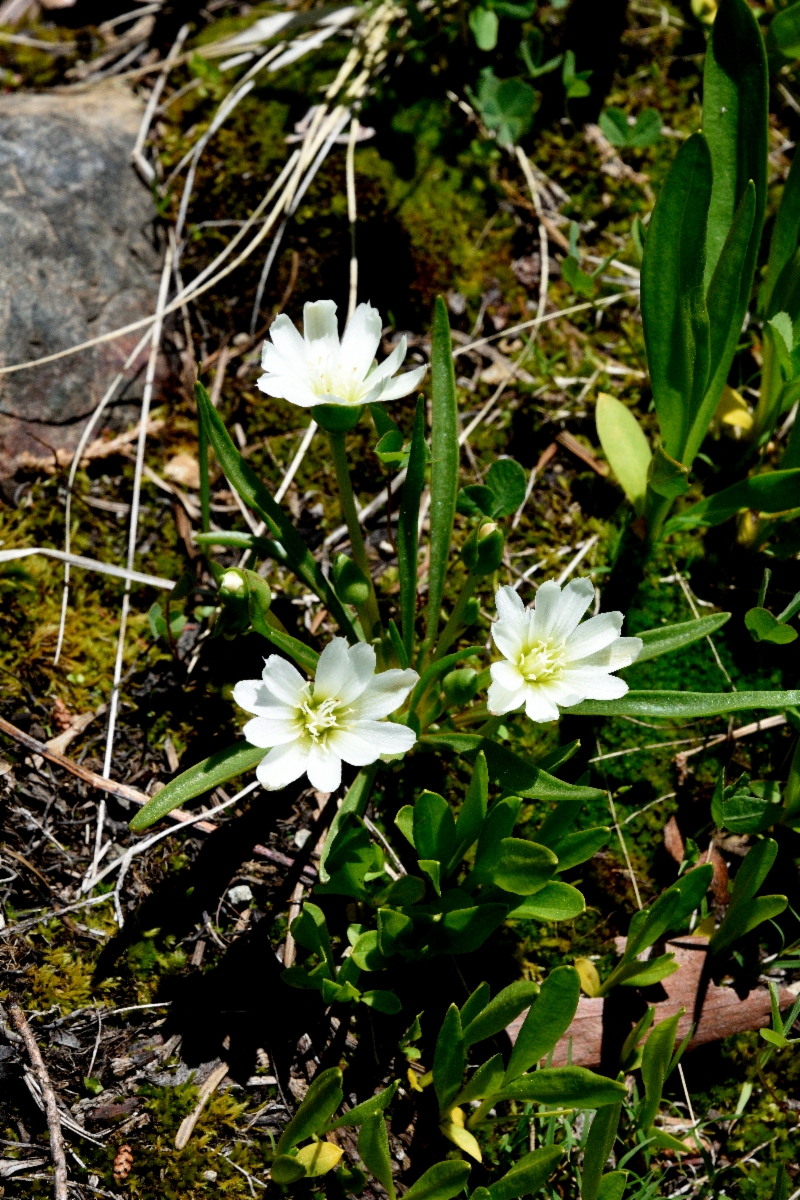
(205, 492)
(490, 727)
(450, 631)
(368, 612)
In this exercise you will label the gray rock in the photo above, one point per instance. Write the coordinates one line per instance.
(78, 259)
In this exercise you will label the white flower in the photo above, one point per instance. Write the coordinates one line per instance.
(319, 369)
(551, 658)
(314, 727)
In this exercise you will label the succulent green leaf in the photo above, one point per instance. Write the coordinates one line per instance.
(434, 827)
(548, 1019)
(523, 867)
(570, 1087)
(763, 627)
(212, 772)
(444, 461)
(449, 1059)
(625, 446)
(675, 705)
(528, 1175)
(442, 1181)
(656, 1057)
(508, 482)
(408, 528)
(500, 1012)
(599, 1144)
(319, 1104)
(485, 1082)
(373, 1149)
(556, 901)
(669, 638)
(375, 1104)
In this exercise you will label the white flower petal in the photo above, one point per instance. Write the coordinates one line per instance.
(333, 670)
(620, 653)
(362, 668)
(593, 635)
(557, 613)
(351, 748)
(282, 765)
(500, 700)
(393, 362)
(324, 769)
(284, 680)
(265, 733)
(539, 707)
(595, 684)
(286, 349)
(395, 389)
(509, 638)
(509, 606)
(385, 737)
(255, 697)
(383, 694)
(320, 327)
(507, 675)
(360, 342)
(291, 388)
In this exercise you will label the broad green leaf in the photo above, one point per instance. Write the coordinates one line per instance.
(434, 827)
(625, 447)
(523, 867)
(599, 1144)
(556, 901)
(449, 1059)
(735, 102)
(498, 825)
(319, 1104)
(667, 477)
(548, 1019)
(614, 124)
(786, 230)
(310, 930)
(727, 300)
(673, 304)
(350, 858)
(442, 1181)
(318, 1158)
(500, 1012)
(366, 953)
(578, 847)
(528, 1175)
(405, 822)
(612, 1185)
(242, 477)
(656, 1058)
(355, 802)
(203, 777)
(745, 917)
(740, 811)
(474, 500)
(373, 1150)
(465, 929)
(393, 928)
(444, 462)
(375, 1104)
(508, 482)
(674, 637)
(484, 1082)
(763, 627)
(525, 779)
(286, 1170)
(407, 528)
(572, 1087)
(433, 869)
(675, 705)
(484, 25)
(784, 36)
(506, 105)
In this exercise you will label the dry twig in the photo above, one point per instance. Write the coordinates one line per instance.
(20, 1022)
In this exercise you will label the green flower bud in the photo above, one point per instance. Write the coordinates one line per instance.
(460, 686)
(351, 584)
(482, 552)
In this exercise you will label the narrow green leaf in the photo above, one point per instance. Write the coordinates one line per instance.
(577, 848)
(786, 230)
(772, 492)
(570, 1087)
(373, 1149)
(408, 526)
(444, 462)
(656, 1058)
(473, 810)
(238, 540)
(302, 654)
(500, 1012)
(674, 637)
(548, 1019)
(355, 802)
(203, 777)
(673, 304)
(599, 1144)
(525, 779)
(449, 1059)
(242, 477)
(556, 901)
(645, 974)
(476, 1003)
(625, 447)
(320, 1103)
(676, 705)
(528, 1175)
(434, 827)
(745, 917)
(485, 1082)
(735, 103)
(440, 1182)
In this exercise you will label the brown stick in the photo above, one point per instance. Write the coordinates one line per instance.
(20, 1022)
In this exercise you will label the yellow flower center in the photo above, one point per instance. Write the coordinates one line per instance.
(319, 718)
(541, 663)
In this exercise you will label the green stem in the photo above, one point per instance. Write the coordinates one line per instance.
(490, 727)
(450, 631)
(370, 617)
(205, 491)
(657, 510)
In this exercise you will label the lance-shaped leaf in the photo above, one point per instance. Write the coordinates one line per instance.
(523, 867)
(786, 230)
(453, 1128)
(599, 1145)
(498, 825)
(656, 1058)
(434, 827)
(577, 848)
(449, 1059)
(358, 1114)
(440, 1182)
(318, 1158)
(528, 1175)
(525, 779)
(669, 638)
(556, 901)
(242, 477)
(612, 1185)
(473, 811)
(475, 1003)
(373, 1149)
(320, 1103)
(465, 929)
(673, 303)
(625, 446)
(210, 773)
(408, 527)
(570, 1087)
(310, 930)
(501, 1011)
(746, 910)
(771, 492)
(485, 1082)
(549, 1017)
(675, 705)
(444, 462)
(735, 102)
(355, 803)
